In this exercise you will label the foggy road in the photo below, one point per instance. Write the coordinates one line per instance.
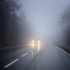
(49, 58)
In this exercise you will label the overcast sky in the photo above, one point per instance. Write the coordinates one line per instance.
(43, 15)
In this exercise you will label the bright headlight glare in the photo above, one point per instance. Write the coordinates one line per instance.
(33, 43)
(38, 45)
(38, 41)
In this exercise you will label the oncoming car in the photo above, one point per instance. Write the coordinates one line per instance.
(36, 45)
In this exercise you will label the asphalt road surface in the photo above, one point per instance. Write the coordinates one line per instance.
(49, 58)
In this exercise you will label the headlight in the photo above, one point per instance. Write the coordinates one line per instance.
(33, 43)
(36, 44)
(39, 45)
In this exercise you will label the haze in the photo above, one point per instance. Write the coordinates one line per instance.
(43, 16)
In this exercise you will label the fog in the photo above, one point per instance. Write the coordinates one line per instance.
(33, 18)
(43, 16)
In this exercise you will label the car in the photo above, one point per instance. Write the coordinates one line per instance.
(35, 44)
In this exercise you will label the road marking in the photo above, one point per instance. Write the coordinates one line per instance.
(64, 51)
(11, 63)
(12, 46)
(24, 54)
(8, 47)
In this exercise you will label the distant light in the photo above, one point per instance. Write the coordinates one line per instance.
(39, 45)
(33, 44)
(38, 41)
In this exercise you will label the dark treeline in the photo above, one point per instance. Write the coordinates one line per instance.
(9, 25)
(66, 26)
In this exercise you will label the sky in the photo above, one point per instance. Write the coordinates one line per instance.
(43, 16)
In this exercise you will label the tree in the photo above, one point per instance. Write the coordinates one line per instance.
(66, 26)
(8, 22)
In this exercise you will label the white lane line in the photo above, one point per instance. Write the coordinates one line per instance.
(64, 51)
(13, 46)
(24, 54)
(8, 47)
(11, 63)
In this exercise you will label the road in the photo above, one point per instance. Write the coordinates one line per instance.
(49, 58)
